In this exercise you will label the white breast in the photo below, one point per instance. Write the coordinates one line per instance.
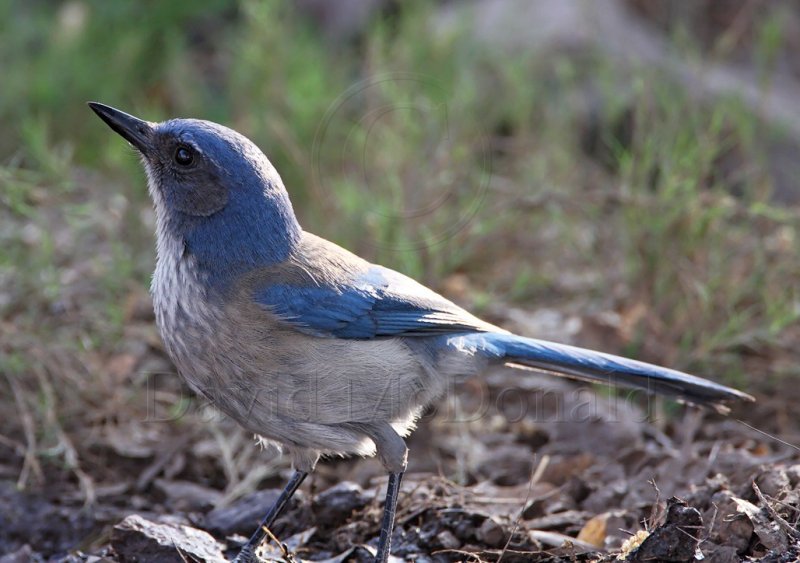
(185, 315)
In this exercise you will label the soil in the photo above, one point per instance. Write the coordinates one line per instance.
(512, 466)
(508, 467)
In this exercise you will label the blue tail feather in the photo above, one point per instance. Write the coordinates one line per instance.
(588, 365)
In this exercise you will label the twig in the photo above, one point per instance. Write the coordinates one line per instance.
(785, 505)
(785, 526)
(712, 455)
(249, 482)
(469, 556)
(654, 511)
(557, 539)
(537, 474)
(65, 445)
(228, 462)
(540, 469)
(285, 553)
(30, 463)
(768, 435)
(18, 447)
(713, 520)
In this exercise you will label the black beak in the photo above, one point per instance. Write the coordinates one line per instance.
(137, 132)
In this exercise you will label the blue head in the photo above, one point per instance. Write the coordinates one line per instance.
(214, 191)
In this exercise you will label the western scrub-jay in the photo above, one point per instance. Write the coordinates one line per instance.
(302, 342)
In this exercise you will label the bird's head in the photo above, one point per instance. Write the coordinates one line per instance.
(213, 189)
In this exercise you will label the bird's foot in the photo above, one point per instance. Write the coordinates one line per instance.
(247, 555)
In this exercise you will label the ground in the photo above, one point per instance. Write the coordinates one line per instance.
(539, 470)
(623, 179)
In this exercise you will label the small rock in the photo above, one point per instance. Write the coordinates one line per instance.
(336, 504)
(242, 517)
(136, 539)
(447, 540)
(491, 533)
(773, 482)
(674, 540)
(187, 496)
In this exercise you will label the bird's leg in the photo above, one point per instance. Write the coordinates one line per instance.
(387, 524)
(248, 552)
(393, 453)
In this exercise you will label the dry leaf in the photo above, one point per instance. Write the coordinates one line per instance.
(767, 531)
(594, 532)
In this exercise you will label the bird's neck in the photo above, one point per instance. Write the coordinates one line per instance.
(238, 239)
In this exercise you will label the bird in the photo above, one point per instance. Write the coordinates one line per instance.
(305, 344)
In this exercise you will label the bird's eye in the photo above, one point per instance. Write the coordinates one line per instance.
(183, 156)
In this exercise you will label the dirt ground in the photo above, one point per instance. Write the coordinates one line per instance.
(539, 469)
(512, 466)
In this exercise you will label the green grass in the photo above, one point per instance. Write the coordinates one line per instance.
(428, 153)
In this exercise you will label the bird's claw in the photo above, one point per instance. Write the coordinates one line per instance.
(247, 555)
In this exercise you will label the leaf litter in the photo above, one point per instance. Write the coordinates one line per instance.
(561, 482)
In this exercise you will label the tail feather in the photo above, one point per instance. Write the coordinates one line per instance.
(587, 365)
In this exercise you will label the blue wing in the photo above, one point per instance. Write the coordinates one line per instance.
(331, 292)
(379, 303)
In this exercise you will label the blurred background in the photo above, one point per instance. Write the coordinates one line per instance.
(620, 174)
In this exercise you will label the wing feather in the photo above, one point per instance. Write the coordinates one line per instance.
(335, 294)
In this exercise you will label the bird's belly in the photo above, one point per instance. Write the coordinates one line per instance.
(285, 385)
